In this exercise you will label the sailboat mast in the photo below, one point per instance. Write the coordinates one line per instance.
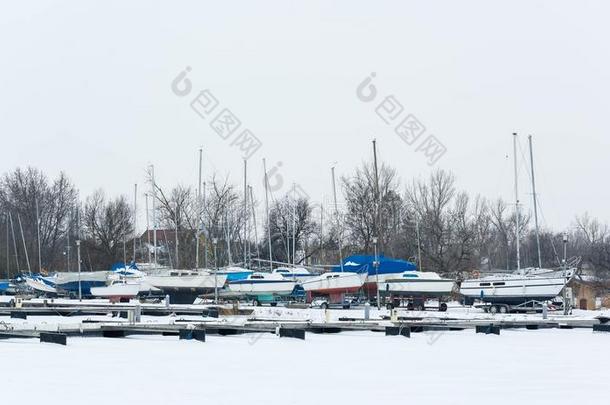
(228, 237)
(377, 236)
(124, 249)
(148, 228)
(8, 249)
(198, 208)
(154, 213)
(245, 211)
(203, 202)
(267, 210)
(321, 232)
(135, 219)
(78, 258)
(294, 224)
(377, 194)
(258, 253)
(176, 237)
(535, 202)
(517, 219)
(332, 170)
(38, 237)
(10, 217)
(25, 248)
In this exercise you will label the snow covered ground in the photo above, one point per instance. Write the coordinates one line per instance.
(519, 366)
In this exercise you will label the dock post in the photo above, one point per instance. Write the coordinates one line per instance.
(293, 333)
(53, 337)
(19, 315)
(138, 313)
(367, 311)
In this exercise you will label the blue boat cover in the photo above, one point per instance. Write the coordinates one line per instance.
(362, 263)
(121, 266)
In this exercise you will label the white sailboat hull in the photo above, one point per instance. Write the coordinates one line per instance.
(184, 289)
(432, 288)
(335, 282)
(265, 287)
(116, 291)
(201, 281)
(40, 286)
(513, 289)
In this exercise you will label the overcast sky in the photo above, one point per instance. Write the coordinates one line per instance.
(86, 87)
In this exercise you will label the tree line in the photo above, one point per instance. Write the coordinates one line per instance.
(429, 221)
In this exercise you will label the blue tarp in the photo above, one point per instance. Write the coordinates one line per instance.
(121, 266)
(362, 263)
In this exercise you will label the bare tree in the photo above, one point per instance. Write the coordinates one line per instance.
(285, 214)
(107, 225)
(592, 240)
(365, 215)
(178, 216)
(447, 231)
(42, 206)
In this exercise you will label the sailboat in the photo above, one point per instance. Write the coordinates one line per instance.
(335, 283)
(40, 284)
(524, 284)
(262, 284)
(117, 291)
(183, 286)
(298, 274)
(417, 284)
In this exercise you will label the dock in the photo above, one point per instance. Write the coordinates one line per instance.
(227, 325)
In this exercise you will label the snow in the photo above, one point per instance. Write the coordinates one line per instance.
(544, 366)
